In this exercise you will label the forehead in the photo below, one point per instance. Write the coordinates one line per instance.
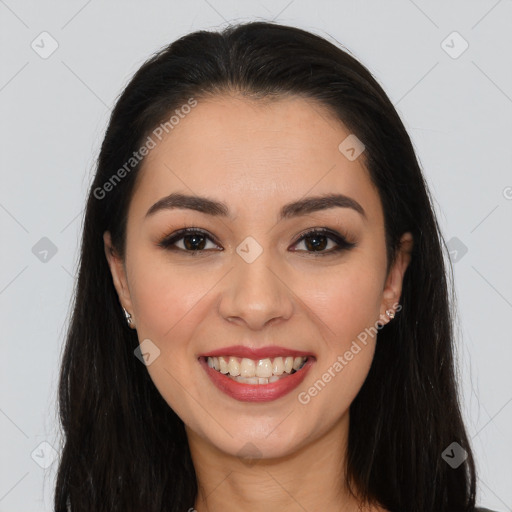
(256, 152)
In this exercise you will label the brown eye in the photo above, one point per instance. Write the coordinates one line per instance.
(317, 240)
(194, 241)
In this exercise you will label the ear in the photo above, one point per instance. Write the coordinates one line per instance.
(393, 286)
(118, 271)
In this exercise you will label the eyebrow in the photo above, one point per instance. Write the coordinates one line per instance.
(303, 206)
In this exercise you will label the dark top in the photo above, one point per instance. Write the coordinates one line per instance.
(481, 509)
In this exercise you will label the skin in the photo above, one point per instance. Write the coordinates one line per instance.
(256, 156)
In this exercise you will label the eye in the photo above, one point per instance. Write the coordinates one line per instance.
(194, 241)
(317, 240)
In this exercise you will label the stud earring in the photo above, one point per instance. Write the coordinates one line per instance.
(391, 313)
(128, 318)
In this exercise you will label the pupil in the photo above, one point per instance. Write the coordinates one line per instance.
(193, 237)
(316, 244)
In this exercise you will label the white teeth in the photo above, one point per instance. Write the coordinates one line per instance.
(257, 380)
(223, 365)
(233, 366)
(248, 368)
(297, 362)
(262, 370)
(278, 366)
(248, 380)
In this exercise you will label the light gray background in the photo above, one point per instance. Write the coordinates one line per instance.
(53, 115)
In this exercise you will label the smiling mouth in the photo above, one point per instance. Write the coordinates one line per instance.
(256, 371)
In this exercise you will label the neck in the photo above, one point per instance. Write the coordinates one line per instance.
(311, 478)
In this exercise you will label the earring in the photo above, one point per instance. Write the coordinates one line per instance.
(391, 313)
(128, 318)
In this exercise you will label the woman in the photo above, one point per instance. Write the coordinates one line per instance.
(262, 318)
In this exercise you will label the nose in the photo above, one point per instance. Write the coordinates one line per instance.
(256, 294)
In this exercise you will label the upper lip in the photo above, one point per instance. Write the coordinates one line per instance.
(268, 352)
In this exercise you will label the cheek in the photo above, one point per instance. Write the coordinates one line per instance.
(165, 297)
(346, 300)
(360, 297)
(348, 307)
(346, 303)
(169, 301)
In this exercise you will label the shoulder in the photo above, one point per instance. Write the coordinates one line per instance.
(481, 509)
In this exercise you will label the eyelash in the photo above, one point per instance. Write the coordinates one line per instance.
(341, 241)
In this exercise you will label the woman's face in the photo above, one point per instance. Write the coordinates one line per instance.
(258, 283)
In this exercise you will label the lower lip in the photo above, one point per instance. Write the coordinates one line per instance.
(257, 392)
